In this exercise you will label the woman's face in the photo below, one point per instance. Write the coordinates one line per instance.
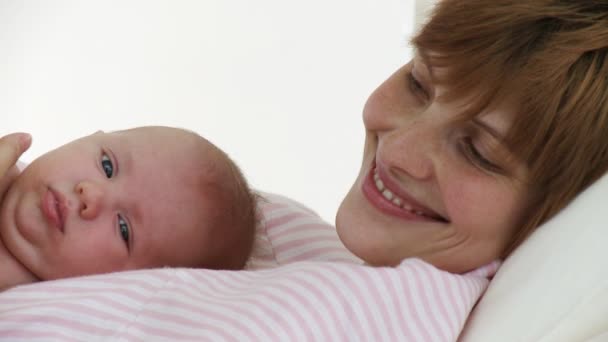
(430, 186)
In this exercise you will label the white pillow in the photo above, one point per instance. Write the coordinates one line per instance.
(555, 286)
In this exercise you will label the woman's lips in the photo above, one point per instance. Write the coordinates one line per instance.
(52, 209)
(400, 206)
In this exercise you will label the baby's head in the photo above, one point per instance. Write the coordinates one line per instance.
(140, 198)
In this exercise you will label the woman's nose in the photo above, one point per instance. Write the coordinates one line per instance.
(411, 148)
(91, 197)
(408, 134)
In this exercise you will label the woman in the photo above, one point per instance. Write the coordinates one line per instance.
(496, 124)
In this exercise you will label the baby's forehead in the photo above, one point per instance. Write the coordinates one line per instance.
(158, 139)
(149, 132)
(179, 152)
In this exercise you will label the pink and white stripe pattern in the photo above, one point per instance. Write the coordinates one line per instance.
(306, 301)
(302, 284)
(290, 232)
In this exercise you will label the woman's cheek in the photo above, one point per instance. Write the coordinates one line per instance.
(460, 199)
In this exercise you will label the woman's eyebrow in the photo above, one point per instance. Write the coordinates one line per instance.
(426, 62)
(496, 134)
(488, 128)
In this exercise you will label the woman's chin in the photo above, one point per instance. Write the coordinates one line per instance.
(355, 230)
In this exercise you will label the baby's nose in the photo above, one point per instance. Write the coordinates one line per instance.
(91, 197)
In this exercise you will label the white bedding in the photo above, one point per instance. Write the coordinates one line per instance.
(555, 286)
(304, 301)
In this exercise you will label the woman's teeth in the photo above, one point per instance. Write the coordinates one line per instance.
(386, 193)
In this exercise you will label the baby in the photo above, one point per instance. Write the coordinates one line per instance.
(140, 198)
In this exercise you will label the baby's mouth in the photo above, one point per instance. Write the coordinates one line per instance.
(53, 209)
(402, 203)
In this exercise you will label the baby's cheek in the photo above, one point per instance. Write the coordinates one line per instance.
(80, 255)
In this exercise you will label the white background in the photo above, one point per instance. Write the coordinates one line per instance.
(278, 84)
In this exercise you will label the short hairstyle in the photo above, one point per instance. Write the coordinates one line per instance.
(551, 56)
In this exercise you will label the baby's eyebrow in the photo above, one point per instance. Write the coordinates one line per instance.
(125, 159)
(135, 207)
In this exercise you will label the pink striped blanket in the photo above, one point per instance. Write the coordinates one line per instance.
(301, 285)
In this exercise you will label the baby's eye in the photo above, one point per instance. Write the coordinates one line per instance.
(123, 228)
(107, 166)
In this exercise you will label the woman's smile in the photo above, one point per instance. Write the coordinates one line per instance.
(395, 201)
(430, 186)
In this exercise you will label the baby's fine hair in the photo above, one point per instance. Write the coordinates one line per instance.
(551, 58)
(241, 215)
(233, 216)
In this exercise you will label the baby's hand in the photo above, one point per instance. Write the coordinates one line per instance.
(12, 147)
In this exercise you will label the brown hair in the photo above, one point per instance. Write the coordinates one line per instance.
(235, 215)
(552, 57)
(242, 214)
(230, 211)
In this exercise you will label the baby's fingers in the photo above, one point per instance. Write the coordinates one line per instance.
(12, 147)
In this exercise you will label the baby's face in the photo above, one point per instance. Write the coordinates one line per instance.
(111, 202)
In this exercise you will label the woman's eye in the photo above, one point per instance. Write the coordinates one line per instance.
(476, 157)
(415, 86)
(124, 231)
(107, 166)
